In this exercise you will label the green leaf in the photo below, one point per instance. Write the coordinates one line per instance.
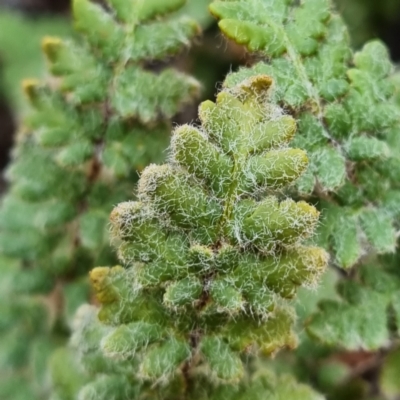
(330, 167)
(374, 58)
(267, 27)
(177, 194)
(124, 341)
(254, 37)
(162, 39)
(226, 297)
(277, 168)
(153, 8)
(353, 325)
(182, 293)
(305, 184)
(144, 95)
(164, 360)
(83, 77)
(269, 335)
(101, 30)
(346, 241)
(193, 151)
(378, 226)
(338, 120)
(124, 10)
(75, 154)
(271, 223)
(223, 362)
(365, 148)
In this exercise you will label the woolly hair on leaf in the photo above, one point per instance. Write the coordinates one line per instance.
(135, 92)
(345, 105)
(99, 119)
(213, 252)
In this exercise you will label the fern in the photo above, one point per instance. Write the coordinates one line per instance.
(216, 242)
(101, 117)
(213, 254)
(361, 319)
(345, 104)
(348, 112)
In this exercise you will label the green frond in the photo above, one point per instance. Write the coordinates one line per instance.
(344, 101)
(213, 253)
(100, 118)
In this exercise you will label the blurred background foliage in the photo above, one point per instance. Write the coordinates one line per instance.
(24, 22)
(20, 38)
(369, 19)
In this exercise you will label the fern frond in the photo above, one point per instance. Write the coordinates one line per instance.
(101, 117)
(213, 252)
(345, 105)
